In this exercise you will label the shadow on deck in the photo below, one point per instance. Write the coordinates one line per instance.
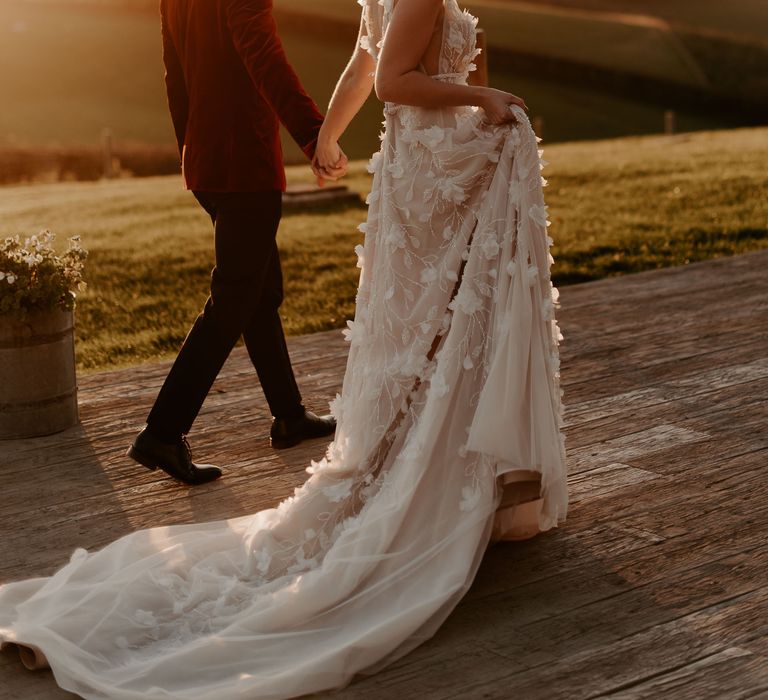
(656, 587)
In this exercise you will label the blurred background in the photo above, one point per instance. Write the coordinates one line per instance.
(70, 69)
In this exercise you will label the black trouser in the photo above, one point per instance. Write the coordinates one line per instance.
(246, 292)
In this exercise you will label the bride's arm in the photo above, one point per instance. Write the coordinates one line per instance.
(398, 78)
(352, 90)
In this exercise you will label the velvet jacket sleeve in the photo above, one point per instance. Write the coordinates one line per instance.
(254, 33)
(178, 99)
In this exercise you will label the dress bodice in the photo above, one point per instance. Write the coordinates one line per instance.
(458, 50)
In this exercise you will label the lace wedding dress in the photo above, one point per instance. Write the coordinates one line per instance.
(451, 383)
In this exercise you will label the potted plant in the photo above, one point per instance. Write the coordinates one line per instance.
(38, 385)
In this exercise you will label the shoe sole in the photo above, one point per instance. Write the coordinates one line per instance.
(281, 444)
(284, 444)
(142, 459)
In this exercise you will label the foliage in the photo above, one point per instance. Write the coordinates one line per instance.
(34, 278)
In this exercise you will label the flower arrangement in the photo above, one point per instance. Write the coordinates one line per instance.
(35, 278)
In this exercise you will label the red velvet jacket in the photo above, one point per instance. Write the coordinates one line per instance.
(229, 86)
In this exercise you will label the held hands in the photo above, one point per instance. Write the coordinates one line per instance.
(329, 163)
(497, 103)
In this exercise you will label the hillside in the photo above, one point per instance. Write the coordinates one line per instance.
(743, 17)
(618, 44)
(74, 67)
(617, 207)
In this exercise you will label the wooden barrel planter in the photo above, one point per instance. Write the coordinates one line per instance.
(38, 385)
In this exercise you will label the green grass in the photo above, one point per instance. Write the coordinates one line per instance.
(617, 206)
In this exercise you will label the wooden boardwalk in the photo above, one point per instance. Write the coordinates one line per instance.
(657, 587)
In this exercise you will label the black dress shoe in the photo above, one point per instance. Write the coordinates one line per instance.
(287, 432)
(174, 459)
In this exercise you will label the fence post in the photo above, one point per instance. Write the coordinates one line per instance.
(107, 154)
(669, 122)
(479, 77)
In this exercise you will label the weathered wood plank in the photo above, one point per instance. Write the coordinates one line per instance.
(654, 588)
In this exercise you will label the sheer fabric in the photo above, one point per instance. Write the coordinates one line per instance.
(452, 381)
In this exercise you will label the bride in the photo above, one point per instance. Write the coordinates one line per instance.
(449, 426)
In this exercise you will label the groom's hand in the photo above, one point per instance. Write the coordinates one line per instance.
(329, 163)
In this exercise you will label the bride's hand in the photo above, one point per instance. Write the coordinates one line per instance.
(496, 105)
(329, 163)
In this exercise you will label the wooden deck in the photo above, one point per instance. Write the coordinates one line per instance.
(657, 587)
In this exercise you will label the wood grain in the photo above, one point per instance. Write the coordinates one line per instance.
(655, 587)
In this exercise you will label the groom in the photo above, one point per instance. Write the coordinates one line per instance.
(229, 87)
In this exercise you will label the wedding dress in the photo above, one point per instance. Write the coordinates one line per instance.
(452, 382)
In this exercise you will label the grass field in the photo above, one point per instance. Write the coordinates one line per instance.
(617, 207)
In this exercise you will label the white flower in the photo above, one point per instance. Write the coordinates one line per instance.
(466, 300)
(375, 162)
(335, 407)
(532, 272)
(395, 237)
(354, 333)
(431, 137)
(468, 364)
(428, 275)
(396, 170)
(538, 212)
(438, 385)
(412, 364)
(447, 233)
(451, 191)
(490, 247)
(547, 310)
(360, 251)
(316, 467)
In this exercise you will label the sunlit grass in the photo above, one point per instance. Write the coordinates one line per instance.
(617, 206)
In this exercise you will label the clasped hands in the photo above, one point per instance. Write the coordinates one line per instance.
(330, 163)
